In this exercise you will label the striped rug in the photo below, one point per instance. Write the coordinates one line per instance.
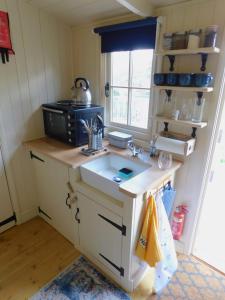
(194, 281)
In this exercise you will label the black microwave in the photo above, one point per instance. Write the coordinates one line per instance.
(62, 121)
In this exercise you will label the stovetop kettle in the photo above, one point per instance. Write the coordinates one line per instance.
(82, 92)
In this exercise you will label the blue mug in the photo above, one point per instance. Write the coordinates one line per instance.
(159, 79)
(203, 79)
(185, 79)
(172, 78)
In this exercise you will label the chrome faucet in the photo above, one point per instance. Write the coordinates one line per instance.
(134, 150)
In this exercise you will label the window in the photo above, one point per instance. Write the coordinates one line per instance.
(130, 84)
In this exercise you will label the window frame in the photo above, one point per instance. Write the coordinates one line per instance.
(137, 132)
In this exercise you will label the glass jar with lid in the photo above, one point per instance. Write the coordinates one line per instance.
(211, 36)
(179, 40)
(194, 38)
(167, 41)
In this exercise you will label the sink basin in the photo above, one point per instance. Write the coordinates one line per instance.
(102, 173)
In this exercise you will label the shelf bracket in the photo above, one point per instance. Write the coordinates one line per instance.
(199, 95)
(194, 129)
(169, 94)
(166, 124)
(172, 61)
(204, 58)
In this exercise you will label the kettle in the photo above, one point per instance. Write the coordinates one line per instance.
(82, 92)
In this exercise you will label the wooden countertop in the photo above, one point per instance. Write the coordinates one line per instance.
(73, 158)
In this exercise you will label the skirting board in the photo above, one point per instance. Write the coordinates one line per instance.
(28, 215)
(7, 226)
(179, 247)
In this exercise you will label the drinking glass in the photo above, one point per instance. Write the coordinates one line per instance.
(164, 160)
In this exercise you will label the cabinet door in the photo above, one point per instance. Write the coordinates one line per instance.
(53, 194)
(6, 211)
(100, 233)
(44, 186)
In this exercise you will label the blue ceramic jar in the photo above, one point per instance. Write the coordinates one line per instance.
(186, 79)
(159, 78)
(203, 79)
(172, 78)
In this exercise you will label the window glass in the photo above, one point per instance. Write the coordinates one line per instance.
(120, 68)
(130, 87)
(141, 68)
(119, 105)
(139, 108)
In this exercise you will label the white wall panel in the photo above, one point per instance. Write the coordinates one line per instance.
(41, 71)
(195, 14)
(184, 16)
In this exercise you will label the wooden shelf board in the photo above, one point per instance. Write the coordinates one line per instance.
(210, 50)
(181, 122)
(184, 89)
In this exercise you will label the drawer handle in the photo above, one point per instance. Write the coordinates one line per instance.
(67, 201)
(76, 218)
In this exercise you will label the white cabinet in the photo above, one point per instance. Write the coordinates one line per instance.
(101, 233)
(7, 218)
(53, 193)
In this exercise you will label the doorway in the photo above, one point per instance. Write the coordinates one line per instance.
(209, 244)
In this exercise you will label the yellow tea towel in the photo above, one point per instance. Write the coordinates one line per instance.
(148, 247)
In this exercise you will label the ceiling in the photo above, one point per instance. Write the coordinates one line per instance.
(159, 3)
(76, 12)
(81, 11)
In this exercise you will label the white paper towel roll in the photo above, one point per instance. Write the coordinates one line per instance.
(171, 145)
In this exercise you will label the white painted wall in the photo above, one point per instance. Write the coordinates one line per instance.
(87, 54)
(192, 14)
(41, 71)
(196, 14)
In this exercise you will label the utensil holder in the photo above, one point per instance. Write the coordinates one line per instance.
(95, 141)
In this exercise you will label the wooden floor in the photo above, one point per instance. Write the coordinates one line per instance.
(31, 255)
(34, 253)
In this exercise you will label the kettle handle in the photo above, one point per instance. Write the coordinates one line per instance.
(82, 79)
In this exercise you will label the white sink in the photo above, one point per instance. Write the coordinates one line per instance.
(100, 173)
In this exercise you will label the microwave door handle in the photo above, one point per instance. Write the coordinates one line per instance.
(53, 110)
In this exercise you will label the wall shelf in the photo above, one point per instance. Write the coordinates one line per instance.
(184, 89)
(210, 50)
(163, 119)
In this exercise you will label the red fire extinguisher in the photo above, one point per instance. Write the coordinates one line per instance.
(178, 221)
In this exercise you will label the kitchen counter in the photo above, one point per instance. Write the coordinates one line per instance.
(73, 158)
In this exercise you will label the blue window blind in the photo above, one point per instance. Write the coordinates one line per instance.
(128, 36)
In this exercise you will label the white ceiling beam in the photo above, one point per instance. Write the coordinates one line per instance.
(142, 8)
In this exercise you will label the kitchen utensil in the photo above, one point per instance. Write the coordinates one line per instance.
(86, 126)
(82, 92)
